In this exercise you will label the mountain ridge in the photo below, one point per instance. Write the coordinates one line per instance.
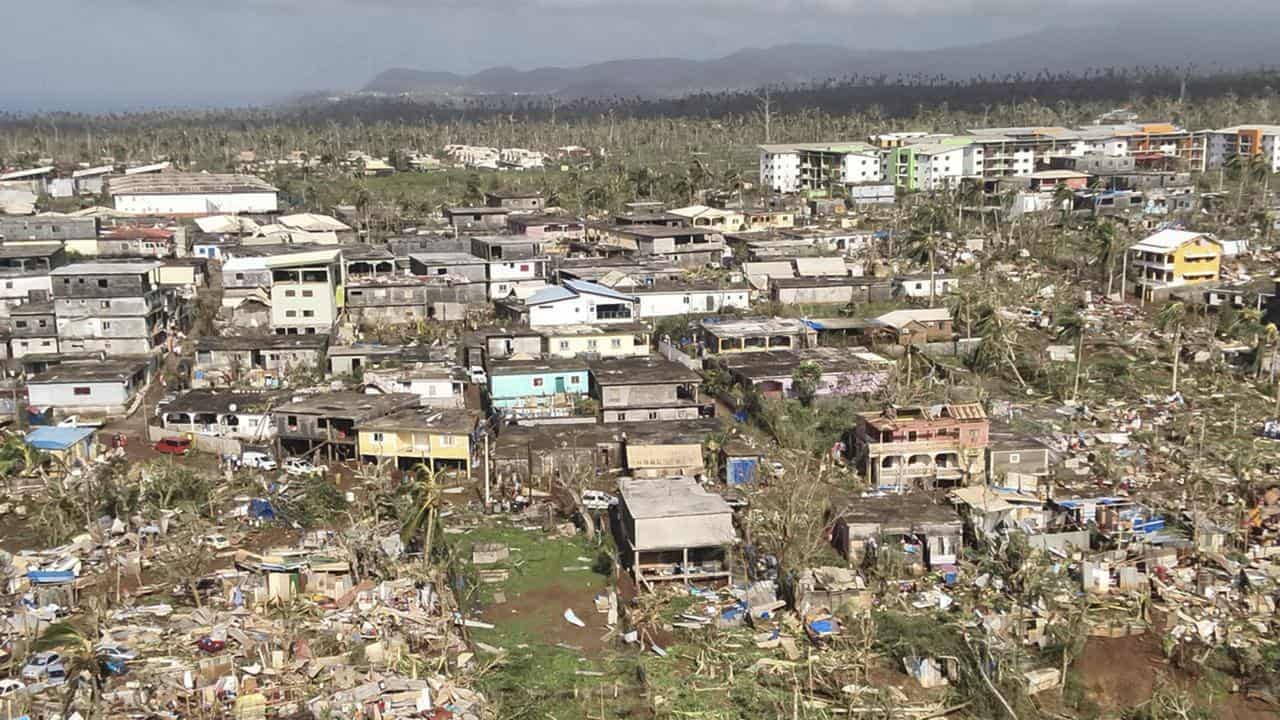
(1062, 49)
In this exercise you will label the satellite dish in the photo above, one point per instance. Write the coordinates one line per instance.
(231, 407)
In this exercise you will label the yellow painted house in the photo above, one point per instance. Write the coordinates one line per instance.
(1170, 259)
(606, 341)
(439, 437)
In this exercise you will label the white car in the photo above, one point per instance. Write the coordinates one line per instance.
(215, 541)
(42, 666)
(110, 651)
(301, 468)
(597, 500)
(9, 687)
(258, 460)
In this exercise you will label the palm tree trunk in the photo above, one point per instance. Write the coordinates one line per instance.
(933, 281)
(1075, 384)
(1177, 356)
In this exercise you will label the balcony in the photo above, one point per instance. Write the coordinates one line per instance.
(879, 449)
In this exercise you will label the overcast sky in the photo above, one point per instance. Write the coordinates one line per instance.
(113, 54)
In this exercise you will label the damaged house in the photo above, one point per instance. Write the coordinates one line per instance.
(255, 360)
(921, 532)
(326, 423)
(917, 447)
(844, 371)
(645, 388)
(675, 531)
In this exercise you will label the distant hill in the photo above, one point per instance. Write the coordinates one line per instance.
(1202, 46)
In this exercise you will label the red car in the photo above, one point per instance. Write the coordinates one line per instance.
(210, 645)
(173, 446)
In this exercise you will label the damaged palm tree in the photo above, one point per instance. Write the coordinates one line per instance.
(421, 522)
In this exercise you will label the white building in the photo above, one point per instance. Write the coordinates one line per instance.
(176, 193)
(667, 301)
(578, 302)
(940, 166)
(304, 289)
(806, 167)
(99, 387)
(780, 168)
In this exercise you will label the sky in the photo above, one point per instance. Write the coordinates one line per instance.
(125, 54)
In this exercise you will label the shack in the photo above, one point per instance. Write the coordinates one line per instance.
(917, 530)
(675, 531)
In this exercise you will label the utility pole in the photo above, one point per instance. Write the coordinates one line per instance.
(487, 498)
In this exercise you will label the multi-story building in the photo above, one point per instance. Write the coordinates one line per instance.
(1248, 141)
(112, 307)
(1170, 259)
(921, 447)
(819, 169)
(305, 291)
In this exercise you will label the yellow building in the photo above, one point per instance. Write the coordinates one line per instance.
(438, 437)
(1170, 259)
(606, 341)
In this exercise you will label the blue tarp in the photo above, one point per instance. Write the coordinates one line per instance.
(58, 437)
(51, 577)
(825, 626)
(260, 509)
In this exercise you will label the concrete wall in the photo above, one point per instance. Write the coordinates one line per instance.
(692, 302)
(103, 397)
(650, 415)
(616, 396)
(198, 203)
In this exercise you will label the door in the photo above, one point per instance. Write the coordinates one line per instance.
(560, 384)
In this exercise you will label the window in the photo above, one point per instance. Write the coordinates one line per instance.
(239, 276)
(377, 437)
(102, 282)
(1014, 458)
(291, 313)
(591, 344)
(447, 440)
(564, 344)
(653, 415)
(616, 342)
(20, 323)
(290, 293)
(106, 325)
(537, 382)
(308, 313)
(686, 299)
(524, 268)
(42, 323)
(292, 422)
(308, 293)
(46, 343)
(83, 391)
(104, 304)
(573, 379)
(622, 416)
(8, 284)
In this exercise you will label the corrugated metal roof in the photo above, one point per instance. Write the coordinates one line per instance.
(967, 411)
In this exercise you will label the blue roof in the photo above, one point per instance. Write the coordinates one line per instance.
(582, 286)
(57, 437)
(573, 288)
(550, 293)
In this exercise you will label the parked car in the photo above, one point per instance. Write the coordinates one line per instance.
(216, 541)
(598, 500)
(173, 446)
(111, 651)
(478, 375)
(40, 666)
(301, 468)
(258, 460)
(9, 687)
(210, 645)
